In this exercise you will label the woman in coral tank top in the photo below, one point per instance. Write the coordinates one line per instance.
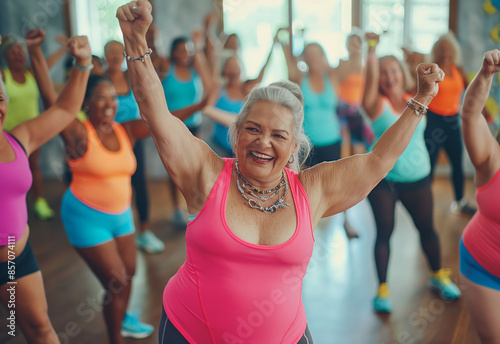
(480, 245)
(250, 234)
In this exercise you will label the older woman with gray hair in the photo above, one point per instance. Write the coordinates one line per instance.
(250, 234)
(443, 117)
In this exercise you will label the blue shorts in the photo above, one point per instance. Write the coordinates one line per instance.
(87, 227)
(471, 269)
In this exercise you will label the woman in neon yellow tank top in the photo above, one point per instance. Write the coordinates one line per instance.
(251, 212)
(23, 105)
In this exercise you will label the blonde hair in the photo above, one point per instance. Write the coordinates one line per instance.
(448, 37)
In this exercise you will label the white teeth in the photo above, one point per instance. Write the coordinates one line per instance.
(108, 112)
(261, 156)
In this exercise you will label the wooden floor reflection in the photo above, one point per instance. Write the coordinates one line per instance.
(337, 292)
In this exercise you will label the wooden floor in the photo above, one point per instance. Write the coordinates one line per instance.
(338, 287)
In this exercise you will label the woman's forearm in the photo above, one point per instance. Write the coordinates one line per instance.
(42, 77)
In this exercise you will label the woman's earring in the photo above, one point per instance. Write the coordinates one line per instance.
(291, 160)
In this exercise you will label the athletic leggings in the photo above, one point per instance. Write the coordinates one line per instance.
(446, 131)
(322, 154)
(417, 199)
(139, 183)
(168, 334)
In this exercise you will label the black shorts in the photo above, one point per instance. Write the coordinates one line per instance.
(24, 264)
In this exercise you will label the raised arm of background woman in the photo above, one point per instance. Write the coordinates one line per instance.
(34, 133)
(336, 186)
(189, 161)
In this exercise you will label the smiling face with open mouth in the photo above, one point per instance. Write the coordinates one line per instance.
(391, 77)
(265, 143)
(102, 104)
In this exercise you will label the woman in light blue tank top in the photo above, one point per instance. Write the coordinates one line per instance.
(187, 78)
(384, 100)
(319, 86)
(321, 124)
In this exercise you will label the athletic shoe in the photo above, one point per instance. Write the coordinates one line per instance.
(382, 303)
(149, 242)
(179, 219)
(133, 328)
(462, 207)
(441, 283)
(43, 210)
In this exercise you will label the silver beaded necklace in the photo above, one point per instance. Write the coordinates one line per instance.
(274, 191)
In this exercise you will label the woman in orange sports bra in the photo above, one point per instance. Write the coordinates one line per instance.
(443, 118)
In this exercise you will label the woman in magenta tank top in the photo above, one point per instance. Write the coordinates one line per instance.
(20, 276)
(480, 244)
(250, 236)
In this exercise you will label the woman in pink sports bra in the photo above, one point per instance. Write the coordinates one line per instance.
(480, 244)
(251, 240)
(30, 311)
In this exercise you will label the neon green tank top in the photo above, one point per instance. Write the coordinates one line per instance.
(23, 99)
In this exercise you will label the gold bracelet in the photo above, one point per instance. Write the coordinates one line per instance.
(372, 43)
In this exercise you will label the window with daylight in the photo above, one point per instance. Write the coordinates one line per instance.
(97, 20)
(413, 24)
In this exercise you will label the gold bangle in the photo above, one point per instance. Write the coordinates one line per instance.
(372, 43)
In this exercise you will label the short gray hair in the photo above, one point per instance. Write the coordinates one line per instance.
(289, 95)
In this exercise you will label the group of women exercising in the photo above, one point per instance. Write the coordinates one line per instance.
(257, 190)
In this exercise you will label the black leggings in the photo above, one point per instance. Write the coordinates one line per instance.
(168, 334)
(323, 153)
(139, 183)
(446, 131)
(417, 199)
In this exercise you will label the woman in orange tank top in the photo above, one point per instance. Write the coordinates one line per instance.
(96, 209)
(443, 118)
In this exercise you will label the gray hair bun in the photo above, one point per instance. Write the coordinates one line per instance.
(291, 87)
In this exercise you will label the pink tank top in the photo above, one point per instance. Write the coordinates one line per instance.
(232, 291)
(15, 182)
(481, 237)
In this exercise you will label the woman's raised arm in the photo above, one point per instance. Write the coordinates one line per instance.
(189, 161)
(35, 132)
(372, 101)
(336, 186)
(483, 149)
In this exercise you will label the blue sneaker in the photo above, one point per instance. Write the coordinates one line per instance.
(441, 283)
(133, 328)
(382, 303)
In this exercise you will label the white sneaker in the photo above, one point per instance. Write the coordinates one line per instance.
(462, 207)
(149, 242)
